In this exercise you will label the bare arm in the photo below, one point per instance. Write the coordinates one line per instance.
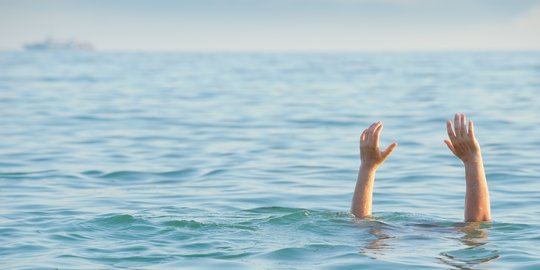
(464, 145)
(371, 158)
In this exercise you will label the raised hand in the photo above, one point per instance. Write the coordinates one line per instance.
(370, 154)
(371, 157)
(464, 145)
(462, 142)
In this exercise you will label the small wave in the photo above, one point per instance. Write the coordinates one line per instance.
(67, 79)
(289, 218)
(115, 220)
(192, 224)
(69, 237)
(272, 209)
(141, 175)
(511, 229)
(195, 225)
(92, 173)
(309, 252)
(214, 172)
(407, 217)
(468, 257)
(30, 174)
(131, 175)
(178, 173)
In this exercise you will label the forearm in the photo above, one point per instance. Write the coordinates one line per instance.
(477, 205)
(363, 192)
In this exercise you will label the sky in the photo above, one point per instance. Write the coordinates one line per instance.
(275, 25)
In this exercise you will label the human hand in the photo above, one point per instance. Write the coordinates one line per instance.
(462, 141)
(370, 154)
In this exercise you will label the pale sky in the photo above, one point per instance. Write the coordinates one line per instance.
(275, 25)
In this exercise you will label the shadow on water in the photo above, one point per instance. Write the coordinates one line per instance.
(476, 252)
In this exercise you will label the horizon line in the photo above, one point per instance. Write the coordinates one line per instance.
(308, 51)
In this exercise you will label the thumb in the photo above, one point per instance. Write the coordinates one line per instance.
(389, 150)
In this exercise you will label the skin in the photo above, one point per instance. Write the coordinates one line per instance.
(371, 159)
(464, 145)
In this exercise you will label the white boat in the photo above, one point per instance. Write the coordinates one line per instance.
(50, 44)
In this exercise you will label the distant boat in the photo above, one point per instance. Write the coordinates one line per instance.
(55, 45)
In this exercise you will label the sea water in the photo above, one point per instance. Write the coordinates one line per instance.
(249, 160)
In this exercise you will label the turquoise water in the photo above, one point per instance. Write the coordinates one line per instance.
(248, 161)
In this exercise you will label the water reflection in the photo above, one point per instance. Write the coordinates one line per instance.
(476, 252)
(374, 248)
(473, 250)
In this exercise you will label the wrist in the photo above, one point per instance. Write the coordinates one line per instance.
(368, 168)
(474, 160)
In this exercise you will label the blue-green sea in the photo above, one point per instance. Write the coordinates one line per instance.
(118, 160)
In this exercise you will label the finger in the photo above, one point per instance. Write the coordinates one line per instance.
(377, 134)
(363, 137)
(369, 133)
(456, 125)
(366, 134)
(373, 131)
(389, 150)
(450, 131)
(463, 125)
(471, 129)
(450, 146)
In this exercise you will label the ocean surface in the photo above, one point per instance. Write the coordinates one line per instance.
(112, 160)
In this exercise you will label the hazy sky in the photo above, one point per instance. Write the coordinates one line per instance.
(276, 25)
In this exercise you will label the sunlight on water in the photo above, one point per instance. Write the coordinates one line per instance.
(248, 161)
